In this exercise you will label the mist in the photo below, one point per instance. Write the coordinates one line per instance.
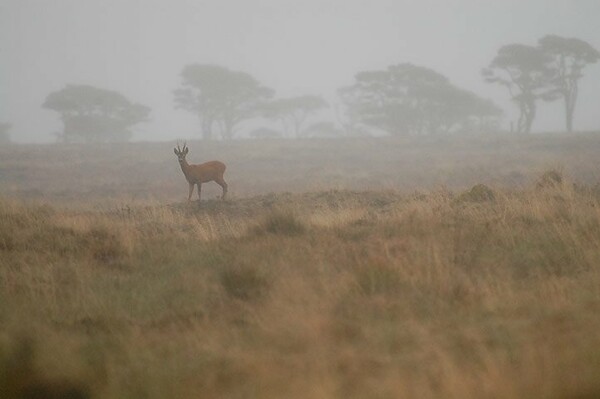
(299, 199)
(139, 49)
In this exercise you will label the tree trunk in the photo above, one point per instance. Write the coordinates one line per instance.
(568, 116)
(528, 124)
(298, 121)
(526, 116)
(570, 100)
(521, 121)
(530, 117)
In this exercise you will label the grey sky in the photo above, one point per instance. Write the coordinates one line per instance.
(138, 47)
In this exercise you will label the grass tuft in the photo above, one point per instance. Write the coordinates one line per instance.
(478, 193)
(245, 282)
(281, 222)
(550, 179)
(107, 247)
(377, 279)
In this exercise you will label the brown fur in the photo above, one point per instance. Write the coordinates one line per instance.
(202, 173)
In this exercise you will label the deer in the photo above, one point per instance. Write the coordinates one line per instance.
(202, 173)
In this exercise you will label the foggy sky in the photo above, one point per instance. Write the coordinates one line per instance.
(139, 47)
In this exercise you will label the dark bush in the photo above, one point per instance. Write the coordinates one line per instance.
(478, 193)
(245, 282)
(550, 179)
(281, 223)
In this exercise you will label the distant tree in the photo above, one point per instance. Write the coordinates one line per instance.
(466, 112)
(4, 136)
(220, 97)
(568, 58)
(90, 114)
(525, 71)
(486, 116)
(294, 111)
(410, 99)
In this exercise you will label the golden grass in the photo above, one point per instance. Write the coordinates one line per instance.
(372, 294)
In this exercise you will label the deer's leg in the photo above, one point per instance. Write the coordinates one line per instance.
(191, 191)
(199, 190)
(221, 182)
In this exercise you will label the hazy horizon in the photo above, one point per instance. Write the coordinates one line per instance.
(313, 47)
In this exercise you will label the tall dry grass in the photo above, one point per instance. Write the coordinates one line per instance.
(485, 293)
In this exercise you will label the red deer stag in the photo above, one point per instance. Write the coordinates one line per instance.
(202, 173)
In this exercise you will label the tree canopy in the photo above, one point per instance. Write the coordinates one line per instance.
(525, 71)
(220, 97)
(568, 57)
(90, 114)
(294, 111)
(410, 99)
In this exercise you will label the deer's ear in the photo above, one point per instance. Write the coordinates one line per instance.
(186, 150)
(175, 151)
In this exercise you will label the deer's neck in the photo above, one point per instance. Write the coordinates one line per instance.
(185, 168)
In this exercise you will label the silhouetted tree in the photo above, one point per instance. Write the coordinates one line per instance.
(293, 112)
(486, 115)
(526, 73)
(4, 136)
(409, 99)
(221, 97)
(91, 114)
(568, 58)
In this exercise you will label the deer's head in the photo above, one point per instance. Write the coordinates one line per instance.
(181, 153)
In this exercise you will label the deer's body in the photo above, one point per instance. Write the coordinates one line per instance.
(202, 173)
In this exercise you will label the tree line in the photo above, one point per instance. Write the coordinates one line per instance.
(547, 72)
(402, 99)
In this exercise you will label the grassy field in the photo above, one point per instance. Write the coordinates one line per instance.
(76, 175)
(384, 283)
